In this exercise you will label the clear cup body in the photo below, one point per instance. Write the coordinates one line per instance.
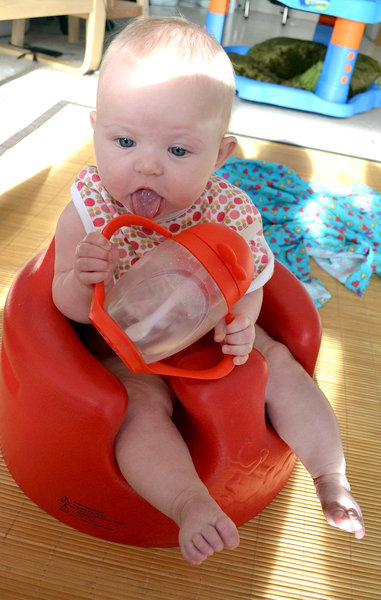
(166, 301)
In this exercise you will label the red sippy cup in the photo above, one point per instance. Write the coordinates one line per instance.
(173, 295)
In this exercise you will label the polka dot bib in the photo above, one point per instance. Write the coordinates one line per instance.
(221, 202)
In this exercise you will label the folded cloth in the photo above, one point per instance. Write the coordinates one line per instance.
(339, 226)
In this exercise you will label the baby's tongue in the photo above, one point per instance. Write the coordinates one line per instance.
(146, 203)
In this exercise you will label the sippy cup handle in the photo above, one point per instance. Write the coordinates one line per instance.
(121, 343)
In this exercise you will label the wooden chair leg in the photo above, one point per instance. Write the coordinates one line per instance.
(18, 32)
(145, 7)
(140, 8)
(73, 29)
(95, 31)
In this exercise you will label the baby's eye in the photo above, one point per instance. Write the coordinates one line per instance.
(177, 151)
(126, 142)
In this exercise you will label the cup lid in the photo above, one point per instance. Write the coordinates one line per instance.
(224, 253)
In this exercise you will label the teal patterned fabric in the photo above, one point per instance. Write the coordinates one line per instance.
(339, 226)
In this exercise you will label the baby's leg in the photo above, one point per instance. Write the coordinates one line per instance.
(155, 461)
(304, 419)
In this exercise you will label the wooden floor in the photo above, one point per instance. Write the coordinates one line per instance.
(287, 552)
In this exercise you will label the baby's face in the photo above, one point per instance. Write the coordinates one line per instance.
(156, 145)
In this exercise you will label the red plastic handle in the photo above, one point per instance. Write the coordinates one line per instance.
(221, 369)
(126, 220)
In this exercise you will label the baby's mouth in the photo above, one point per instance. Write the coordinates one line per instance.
(146, 203)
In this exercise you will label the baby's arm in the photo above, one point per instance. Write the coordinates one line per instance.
(80, 261)
(237, 337)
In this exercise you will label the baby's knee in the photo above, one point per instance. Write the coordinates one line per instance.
(283, 368)
(277, 355)
(149, 400)
(148, 410)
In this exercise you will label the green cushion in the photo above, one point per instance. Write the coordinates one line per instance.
(298, 63)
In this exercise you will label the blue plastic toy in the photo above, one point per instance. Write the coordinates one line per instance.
(342, 37)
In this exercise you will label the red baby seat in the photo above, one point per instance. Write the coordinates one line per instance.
(61, 409)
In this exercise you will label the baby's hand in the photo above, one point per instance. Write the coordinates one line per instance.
(236, 338)
(95, 259)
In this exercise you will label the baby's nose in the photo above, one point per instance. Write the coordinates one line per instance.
(148, 164)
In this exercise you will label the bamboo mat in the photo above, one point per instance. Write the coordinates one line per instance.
(288, 551)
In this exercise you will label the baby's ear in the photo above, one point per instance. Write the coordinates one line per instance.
(227, 147)
(93, 118)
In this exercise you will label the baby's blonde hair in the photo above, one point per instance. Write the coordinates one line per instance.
(192, 46)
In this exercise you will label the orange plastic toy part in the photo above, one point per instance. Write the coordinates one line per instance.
(347, 34)
(219, 7)
(60, 410)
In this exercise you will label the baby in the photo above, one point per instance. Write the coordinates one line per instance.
(163, 105)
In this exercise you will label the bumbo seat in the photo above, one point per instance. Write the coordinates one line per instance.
(60, 410)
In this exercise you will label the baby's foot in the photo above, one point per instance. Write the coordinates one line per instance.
(204, 528)
(339, 507)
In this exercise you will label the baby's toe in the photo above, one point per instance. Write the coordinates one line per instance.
(205, 544)
(192, 554)
(346, 519)
(358, 527)
(228, 532)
